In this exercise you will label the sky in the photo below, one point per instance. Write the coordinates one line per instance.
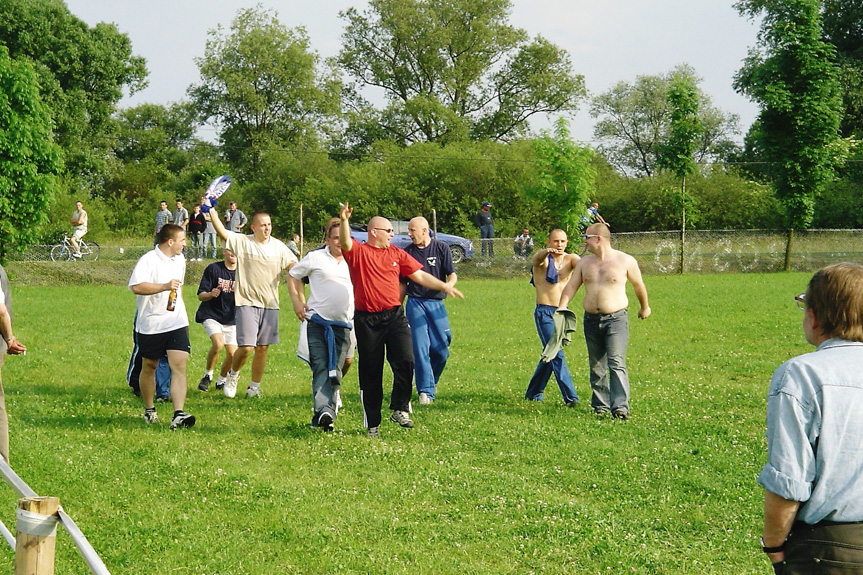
(608, 40)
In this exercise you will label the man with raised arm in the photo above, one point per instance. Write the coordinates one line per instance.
(552, 268)
(161, 325)
(604, 273)
(379, 320)
(426, 314)
(261, 259)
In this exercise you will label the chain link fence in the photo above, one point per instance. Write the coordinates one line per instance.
(704, 252)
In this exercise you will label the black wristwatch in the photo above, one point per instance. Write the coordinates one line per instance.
(776, 549)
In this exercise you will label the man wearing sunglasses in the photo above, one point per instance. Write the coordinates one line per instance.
(813, 512)
(604, 273)
(379, 320)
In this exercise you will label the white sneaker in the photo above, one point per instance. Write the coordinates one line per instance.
(425, 399)
(253, 391)
(230, 389)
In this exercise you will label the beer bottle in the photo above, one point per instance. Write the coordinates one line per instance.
(172, 299)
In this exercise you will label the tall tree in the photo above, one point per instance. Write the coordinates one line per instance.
(677, 154)
(843, 28)
(451, 70)
(635, 120)
(792, 77)
(261, 87)
(81, 72)
(566, 176)
(29, 158)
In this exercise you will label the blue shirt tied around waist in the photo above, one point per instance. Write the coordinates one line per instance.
(332, 352)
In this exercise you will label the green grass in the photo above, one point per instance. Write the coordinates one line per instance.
(485, 483)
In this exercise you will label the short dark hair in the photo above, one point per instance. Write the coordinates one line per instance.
(169, 232)
(835, 296)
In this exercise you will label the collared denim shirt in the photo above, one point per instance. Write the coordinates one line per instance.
(815, 433)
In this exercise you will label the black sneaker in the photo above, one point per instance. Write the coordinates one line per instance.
(204, 384)
(163, 398)
(182, 419)
(620, 414)
(325, 421)
(150, 416)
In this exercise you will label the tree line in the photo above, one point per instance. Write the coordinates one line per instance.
(460, 84)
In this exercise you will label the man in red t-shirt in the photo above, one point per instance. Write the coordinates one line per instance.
(379, 320)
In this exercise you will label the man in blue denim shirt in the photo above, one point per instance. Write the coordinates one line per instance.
(813, 483)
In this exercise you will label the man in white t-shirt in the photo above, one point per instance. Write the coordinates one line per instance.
(162, 328)
(79, 223)
(260, 260)
(327, 318)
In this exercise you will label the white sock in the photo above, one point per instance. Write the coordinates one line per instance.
(255, 384)
(210, 373)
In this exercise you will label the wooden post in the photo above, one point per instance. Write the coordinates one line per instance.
(37, 533)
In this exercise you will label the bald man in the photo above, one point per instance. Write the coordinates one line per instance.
(426, 314)
(379, 320)
(604, 273)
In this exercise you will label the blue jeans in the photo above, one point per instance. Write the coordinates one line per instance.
(486, 233)
(210, 239)
(431, 339)
(543, 316)
(607, 336)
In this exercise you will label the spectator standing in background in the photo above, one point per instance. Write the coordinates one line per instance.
(485, 222)
(197, 225)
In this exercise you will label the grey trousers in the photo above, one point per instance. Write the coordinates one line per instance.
(324, 387)
(607, 336)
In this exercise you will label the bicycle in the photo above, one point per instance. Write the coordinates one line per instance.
(64, 251)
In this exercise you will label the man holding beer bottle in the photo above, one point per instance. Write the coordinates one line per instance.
(161, 324)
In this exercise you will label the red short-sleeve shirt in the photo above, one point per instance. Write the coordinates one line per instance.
(375, 274)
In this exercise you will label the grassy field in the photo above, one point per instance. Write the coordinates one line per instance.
(486, 483)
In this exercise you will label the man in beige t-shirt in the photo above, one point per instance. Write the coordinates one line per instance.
(604, 273)
(261, 259)
(552, 268)
(79, 223)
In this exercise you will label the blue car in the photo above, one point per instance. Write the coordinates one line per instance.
(462, 249)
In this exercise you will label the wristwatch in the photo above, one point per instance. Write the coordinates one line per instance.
(776, 549)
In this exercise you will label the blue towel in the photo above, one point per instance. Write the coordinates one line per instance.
(332, 353)
(551, 271)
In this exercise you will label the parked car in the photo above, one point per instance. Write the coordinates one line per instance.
(461, 248)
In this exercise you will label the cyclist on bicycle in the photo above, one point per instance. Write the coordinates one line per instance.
(79, 223)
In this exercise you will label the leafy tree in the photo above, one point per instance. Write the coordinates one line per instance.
(843, 28)
(635, 120)
(451, 70)
(677, 154)
(81, 72)
(29, 159)
(792, 77)
(261, 87)
(566, 177)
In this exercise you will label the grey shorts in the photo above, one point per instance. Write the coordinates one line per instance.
(257, 326)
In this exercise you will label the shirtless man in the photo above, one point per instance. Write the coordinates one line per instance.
(552, 268)
(604, 272)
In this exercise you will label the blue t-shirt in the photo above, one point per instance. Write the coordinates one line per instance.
(436, 260)
(222, 308)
